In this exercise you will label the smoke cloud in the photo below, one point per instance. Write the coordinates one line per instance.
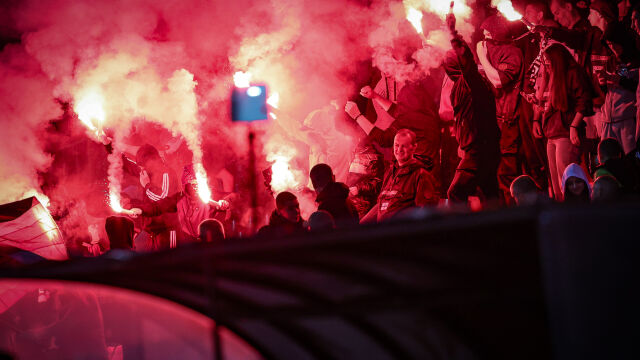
(170, 63)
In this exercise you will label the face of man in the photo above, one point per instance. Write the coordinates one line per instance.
(596, 19)
(532, 15)
(290, 211)
(562, 13)
(403, 149)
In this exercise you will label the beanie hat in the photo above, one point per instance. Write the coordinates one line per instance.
(498, 27)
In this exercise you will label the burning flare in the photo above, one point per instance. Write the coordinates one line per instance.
(203, 187)
(114, 202)
(90, 108)
(242, 79)
(415, 18)
(506, 8)
(443, 7)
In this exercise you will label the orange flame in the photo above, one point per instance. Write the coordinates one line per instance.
(506, 8)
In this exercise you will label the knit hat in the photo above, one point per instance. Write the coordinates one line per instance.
(498, 27)
(576, 171)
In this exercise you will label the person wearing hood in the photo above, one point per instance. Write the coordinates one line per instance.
(502, 63)
(475, 124)
(333, 196)
(406, 183)
(187, 205)
(285, 220)
(575, 185)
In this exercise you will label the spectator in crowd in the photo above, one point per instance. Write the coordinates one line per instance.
(475, 127)
(158, 182)
(285, 220)
(605, 189)
(601, 14)
(120, 231)
(591, 54)
(365, 176)
(401, 103)
(321, 220)
(534, 159)
(613, 163)
(525, 192)
(211, 231)
(569, 101)
(619, 109)
(188, 206)
(333, 196)
(575, 185)
(406, 183)
(502, 63)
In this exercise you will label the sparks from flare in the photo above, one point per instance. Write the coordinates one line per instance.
(114, 202)
(506, 8)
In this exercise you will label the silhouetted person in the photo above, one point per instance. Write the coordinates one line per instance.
(211, 231)
(321, 220)
(333, 196)
(525, 191)
(606, 189)
(120, 231)
(285, 220)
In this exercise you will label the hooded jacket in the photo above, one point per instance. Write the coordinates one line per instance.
(404, 187)
(334, 199)
(576, 171)
(474, 106)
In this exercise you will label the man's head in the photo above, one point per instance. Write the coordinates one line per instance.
(321, 220)
(496, 27)
(524, 190)
(601, 14)
(321, 175)
(536, 11)
(609, 149)
(565, 13)
(605, 189)
(288, 207)
(147, 155)
(404, 146)
(120, 231)
(211, 231)
(189, 182)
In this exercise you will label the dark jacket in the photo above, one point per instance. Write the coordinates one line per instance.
(556, 124)
(334, 199)
(624, 170)
(404, 187)
(474, 106)
(163, 182)
(508, 61)
(591, 54)
(281, 227)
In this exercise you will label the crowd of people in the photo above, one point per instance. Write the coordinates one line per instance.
(546, 116)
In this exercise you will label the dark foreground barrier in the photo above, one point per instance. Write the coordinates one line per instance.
(514, 284)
